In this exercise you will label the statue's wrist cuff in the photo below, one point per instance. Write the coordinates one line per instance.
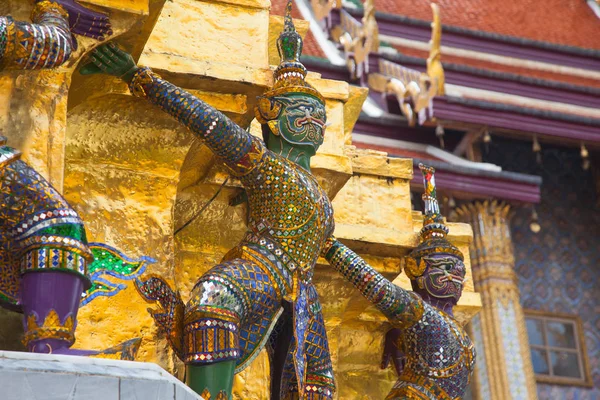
(142, 77)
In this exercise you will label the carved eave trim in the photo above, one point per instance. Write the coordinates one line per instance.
(413, 90)
(358, 38)
(485, 43)
(517, 119)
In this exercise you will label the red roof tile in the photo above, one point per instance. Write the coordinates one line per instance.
(566, 22)
(311, 47)
(551, 76)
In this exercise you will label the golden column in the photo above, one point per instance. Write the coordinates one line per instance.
(504, 369)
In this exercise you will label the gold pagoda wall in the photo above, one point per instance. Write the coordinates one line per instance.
(136, 176)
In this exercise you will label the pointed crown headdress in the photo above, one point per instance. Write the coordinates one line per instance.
(290, 74)
(434, 232)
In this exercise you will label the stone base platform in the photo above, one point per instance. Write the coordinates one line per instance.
(28, 376)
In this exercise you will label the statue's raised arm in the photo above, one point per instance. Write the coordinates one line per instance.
(235, 147)
(47, 42)
(400, 306)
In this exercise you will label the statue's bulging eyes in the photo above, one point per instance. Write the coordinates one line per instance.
(306, 108)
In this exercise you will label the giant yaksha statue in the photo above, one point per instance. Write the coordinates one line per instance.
(432, 354)
(44, 254)
(235, 305)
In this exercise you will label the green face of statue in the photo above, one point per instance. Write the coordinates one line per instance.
(301, 122)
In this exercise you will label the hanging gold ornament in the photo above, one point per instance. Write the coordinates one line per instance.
(585, 155)
(439, 132)
(537, 149)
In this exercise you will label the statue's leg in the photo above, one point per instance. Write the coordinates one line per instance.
(320, 384)
(50, 301)
(289, 381)
(281, 341)
(211, 378)
(227, 320)
(47, 245)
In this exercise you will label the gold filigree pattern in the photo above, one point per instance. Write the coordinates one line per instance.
(51, 328)
(46, 6)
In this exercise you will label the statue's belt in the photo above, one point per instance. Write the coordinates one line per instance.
(423, 382)
(286, 268)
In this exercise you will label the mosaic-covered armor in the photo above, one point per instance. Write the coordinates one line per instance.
(234, 307)
(290, 217)
(439, 357)
(47, 43)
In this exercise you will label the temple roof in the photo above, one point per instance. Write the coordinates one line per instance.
(547, 76)
(520, 75)
(549, 21)
(522, 69)
(457, 176)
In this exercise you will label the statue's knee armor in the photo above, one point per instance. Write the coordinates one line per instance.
(212, 319)
(230, 314)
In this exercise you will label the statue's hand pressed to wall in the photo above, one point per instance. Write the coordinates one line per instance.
(110, 59)
(86, 22)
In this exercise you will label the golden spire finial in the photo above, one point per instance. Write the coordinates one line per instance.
(322, 8)
(371, 29)
(435, 70)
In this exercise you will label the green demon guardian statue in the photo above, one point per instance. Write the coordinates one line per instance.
(235, 306)
(432, 354)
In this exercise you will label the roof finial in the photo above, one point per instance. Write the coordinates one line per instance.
(435, 69)
(288, 22)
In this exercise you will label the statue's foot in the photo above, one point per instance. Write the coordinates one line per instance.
(124, 351)
(74, 352)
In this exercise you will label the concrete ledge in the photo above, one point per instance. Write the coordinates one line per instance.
(29, 376)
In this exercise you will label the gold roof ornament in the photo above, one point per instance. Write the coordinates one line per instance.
(414, 90)
(322, 8)
(435, 69)
(359, 39)
(370, 31)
